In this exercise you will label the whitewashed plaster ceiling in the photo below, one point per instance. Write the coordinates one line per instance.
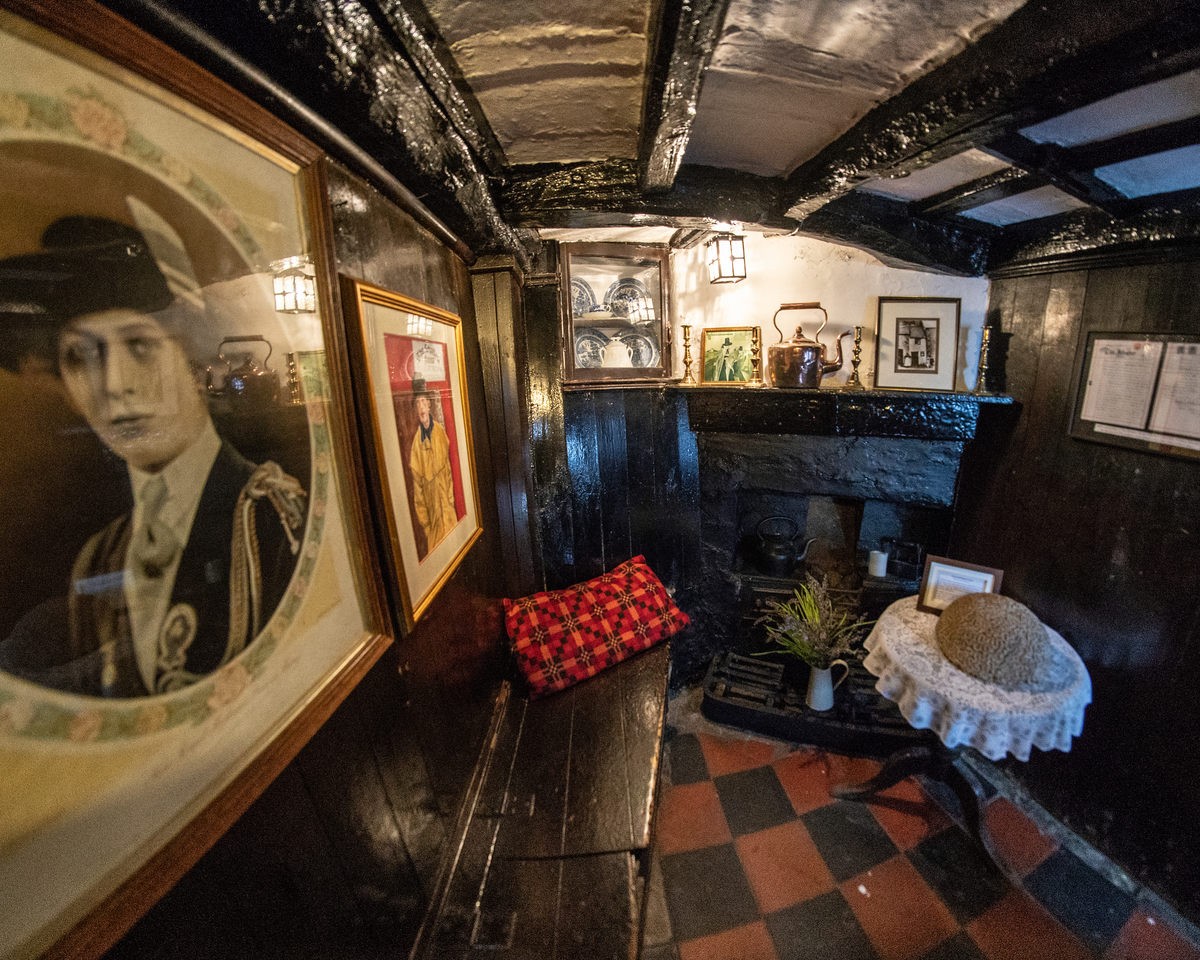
(566, 83)
(789, 77)
(559, 82)
(958, 134)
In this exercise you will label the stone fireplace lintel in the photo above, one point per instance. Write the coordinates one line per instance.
(836, 412)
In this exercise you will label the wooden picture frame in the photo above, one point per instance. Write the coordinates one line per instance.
(409, 359)
(127, 753)
(1140, 391)
(616, 307)
(725, 355)
(916, 343)
(945, 580)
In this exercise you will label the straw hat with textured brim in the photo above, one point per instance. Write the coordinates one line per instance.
(998, 640)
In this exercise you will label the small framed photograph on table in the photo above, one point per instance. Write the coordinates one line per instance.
(916, 343)
(945, 580)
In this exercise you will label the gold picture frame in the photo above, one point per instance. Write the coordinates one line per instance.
(726, 355)
(125, 756)
(410, 358)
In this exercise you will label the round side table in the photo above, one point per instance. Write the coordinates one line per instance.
(963, 711)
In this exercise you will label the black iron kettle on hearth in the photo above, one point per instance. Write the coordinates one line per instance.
(776, 545)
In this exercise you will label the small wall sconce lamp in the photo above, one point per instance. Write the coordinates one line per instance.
(294, 285)
(726, 258)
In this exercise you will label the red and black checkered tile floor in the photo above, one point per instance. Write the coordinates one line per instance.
(759, 862)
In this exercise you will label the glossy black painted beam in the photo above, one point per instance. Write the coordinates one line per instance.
(1046, 59)
(1168, 228)
(1054, 166)
(328, 61)
(687, 34)
(996, 186)
(886, 228)
(1168, 136)
(608, 193)
(413, 32)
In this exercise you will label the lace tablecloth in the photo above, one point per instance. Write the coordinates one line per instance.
(933, 694)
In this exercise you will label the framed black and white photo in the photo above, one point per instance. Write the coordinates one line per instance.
(916, 343)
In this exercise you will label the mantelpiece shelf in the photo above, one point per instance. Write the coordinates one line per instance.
(837, 413)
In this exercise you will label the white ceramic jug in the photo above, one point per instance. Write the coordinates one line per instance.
(821, 685)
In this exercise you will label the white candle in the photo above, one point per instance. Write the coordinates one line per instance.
(877, 563)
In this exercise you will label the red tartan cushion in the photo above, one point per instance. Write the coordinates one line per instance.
(563, 636)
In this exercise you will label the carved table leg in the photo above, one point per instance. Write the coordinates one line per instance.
(940, 764)
(901, 764)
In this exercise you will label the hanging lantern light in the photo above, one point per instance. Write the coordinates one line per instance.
(726, 258)
(294, 285)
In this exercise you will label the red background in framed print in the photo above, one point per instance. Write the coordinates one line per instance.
(401, 365)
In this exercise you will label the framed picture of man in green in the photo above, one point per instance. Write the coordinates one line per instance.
(726, 353)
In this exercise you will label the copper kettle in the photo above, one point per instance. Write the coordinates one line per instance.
(800, 362)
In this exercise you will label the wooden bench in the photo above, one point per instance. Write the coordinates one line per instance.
(553, 861)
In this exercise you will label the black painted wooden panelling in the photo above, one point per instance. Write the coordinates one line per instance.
(1101, 542)
(498, 313)
(553, 529)
(339, 856)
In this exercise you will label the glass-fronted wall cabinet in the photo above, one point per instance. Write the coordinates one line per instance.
(615, 312)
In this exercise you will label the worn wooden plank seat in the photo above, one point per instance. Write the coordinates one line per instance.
(553, 859)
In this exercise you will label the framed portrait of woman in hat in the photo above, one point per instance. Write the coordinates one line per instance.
(181, 589)
(411, 356)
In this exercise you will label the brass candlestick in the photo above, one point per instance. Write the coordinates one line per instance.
(854, 383)
(756, 379)
(985, 348)
(687, 354)
(293, 380)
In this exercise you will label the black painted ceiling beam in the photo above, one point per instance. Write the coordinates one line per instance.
(412, 31)
(1046, 59)
(887, 228)
(609, 193)
(1053, 164)
(335, 63)
(1167, 222)
(1162, 203)
(995, 186)
(1140, 143)
(686, 36)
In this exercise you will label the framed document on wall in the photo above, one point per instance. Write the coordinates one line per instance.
(182, 554)
(1140, 390)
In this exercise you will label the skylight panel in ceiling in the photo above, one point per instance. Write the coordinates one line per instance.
(1141, 108)
(1031, 205)
(1157, 173)
(939, 177)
